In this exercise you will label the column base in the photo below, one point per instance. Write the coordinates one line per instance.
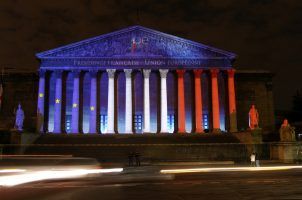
(92, 131)
(163, 131)
(110, 132)
(216, 130)
(233, 130)
(57, 132)
(75, 132)
(147, 130)
(199, 131)
(181, 132)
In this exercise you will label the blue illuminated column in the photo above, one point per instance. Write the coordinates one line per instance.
(110, 110)
(146, 100)
(41, 101)
(93, 100)
(163, 101)
(75, 102)
(58, 103)
(128, 106)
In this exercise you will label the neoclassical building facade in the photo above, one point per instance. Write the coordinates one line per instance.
(136, 80)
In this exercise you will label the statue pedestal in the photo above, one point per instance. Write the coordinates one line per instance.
(15, 136)
(257, 135)
(287, 152)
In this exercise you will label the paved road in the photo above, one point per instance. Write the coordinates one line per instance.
(148, 185)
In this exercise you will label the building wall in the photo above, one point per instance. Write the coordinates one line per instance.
(19, 88)
(255, 87)
(252, 87)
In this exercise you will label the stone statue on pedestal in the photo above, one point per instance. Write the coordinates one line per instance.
(19, 118)
(253, 118)
(287, 133)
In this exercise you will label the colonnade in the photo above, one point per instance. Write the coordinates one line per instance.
(181, 112)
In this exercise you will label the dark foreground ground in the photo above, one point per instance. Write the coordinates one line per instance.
(144, 183)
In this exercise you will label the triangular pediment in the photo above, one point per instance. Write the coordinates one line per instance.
(137, 41)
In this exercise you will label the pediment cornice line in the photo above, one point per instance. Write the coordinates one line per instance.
(136, 30)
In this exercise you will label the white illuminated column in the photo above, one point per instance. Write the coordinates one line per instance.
(75, 102)
(146, 100)
(163, 101)
(58, 103)
(110, 112)
(93, 100)
(128, 106)
(41, 101)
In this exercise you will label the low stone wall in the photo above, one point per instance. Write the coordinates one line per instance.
(287, 152)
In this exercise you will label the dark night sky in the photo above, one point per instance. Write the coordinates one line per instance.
(265, 34)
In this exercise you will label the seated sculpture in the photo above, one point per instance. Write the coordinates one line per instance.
(287, 132)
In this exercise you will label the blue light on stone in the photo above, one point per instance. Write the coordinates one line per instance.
(137, 48)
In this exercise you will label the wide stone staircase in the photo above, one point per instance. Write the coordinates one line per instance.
(150, 147)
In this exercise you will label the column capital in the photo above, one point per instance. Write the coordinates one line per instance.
(128, 73)
(146, 73)
(180, 72)
(231, 72)
(111, 73)
(58, 73)
(214, 72)
(93, 73)
(76, 73)
(197, 72)
(163, 73)
(42, 72)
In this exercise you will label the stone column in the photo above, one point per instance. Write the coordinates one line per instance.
(58, 103)
(93, 102)
(128, 104)
(198, 101)
(181, 102)
(75, 102)
(110, 113)
(41, 102)
(146, 100)
(163, 101)
(215, 101)
(232, 101)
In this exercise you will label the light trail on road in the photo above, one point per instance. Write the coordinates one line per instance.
(12, 170)
(27, 177)
(223, 169)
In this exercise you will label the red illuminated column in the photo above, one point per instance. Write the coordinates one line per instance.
(215, 100)
(232, 101)
(181, 102)
(198, 101)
